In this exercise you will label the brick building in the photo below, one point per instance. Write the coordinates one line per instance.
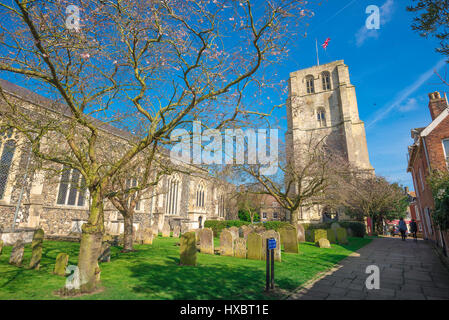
(430, 151)
(271, 210)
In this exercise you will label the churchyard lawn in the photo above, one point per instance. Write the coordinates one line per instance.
(153, 272)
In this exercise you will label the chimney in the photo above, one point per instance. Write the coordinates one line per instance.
(436, 104)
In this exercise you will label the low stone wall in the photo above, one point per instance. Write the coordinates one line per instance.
(10, 237)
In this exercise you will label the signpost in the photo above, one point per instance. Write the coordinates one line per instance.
(271, 245)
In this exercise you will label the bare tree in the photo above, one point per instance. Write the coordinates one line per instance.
(146, 66)
(374, 197)
(300, 182)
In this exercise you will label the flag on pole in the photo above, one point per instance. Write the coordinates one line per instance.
(326, 43)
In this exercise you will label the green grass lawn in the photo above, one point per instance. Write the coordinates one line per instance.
(153, 272)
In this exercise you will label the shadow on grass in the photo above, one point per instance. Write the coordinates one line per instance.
(172, 281)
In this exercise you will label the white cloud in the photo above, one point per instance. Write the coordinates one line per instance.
(406, 93)
(409, 105)
(386, 14)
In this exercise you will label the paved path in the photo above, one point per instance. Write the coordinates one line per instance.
(408, 271)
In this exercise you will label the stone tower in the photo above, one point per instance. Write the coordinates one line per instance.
(322, 102)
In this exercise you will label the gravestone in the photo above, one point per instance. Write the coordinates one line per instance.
(335, 226)
(268, 235)
(331, 236)
(301, 233)
(206, 238)
(1, 246)
(139, 236)
(62, 259)
(176, 231)
(166, 229)
(234, 231)
(187, 250)
(36, 249)
(316, 234)
(148, 236)
(349, 232)
(184, 227)
(289, 239)
(105, 253)
(342, 236)
(17, 253)
(244, 231)
(108, 238)
(323, 243)
(155, 228)
(226, 243)
(254, 243)
(259, 229)
(240, 248)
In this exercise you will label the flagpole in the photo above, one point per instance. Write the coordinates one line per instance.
(317, 57)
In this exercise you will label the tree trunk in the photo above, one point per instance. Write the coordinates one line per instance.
(128, 232)
(90, 246)
(294, 217)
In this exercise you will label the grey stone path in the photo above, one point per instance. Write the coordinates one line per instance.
(408, 271)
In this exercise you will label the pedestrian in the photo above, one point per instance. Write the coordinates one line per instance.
(414, 229)
(402, 228)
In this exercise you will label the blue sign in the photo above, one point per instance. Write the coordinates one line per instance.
(272, 243)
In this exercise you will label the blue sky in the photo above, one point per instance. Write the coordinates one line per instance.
(391, 68)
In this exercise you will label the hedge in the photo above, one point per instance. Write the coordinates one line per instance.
(218, 225)
(273, 225)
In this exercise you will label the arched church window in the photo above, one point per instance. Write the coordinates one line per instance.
(200, 196)
(326, 76)
(310, 84)
(72, 188)
(321, 117)
(7, 149)
(171, 201)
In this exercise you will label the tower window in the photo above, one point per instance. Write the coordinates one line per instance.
(321, 117)
(310, 84)
(326, 80)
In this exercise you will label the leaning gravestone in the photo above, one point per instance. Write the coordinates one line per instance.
(240, 248)
(323, 243)
(268, 235)
(244, 231)
(331, 236)
(342, 236)
(166, 230)
(254, 246)
(139, 236)
(289, 239)
(148, 236)
(36, 249)
(105, 255)
(234, 231)
(206, 237)
(316, 234)
(1, 246)
(62, 259)
(301, 233)
(17, 253)
(176, 231)
(226, 243)
(187, 249)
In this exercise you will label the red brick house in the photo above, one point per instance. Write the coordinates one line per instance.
(430, 151)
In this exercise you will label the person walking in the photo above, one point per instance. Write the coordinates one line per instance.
(414, 229)
(402, 228)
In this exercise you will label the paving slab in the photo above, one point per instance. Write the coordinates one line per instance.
(409, 270)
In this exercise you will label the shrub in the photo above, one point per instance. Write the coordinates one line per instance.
(218, 225)
(245, 216)
(273, 225)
